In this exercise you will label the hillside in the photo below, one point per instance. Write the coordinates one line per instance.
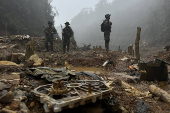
(152, 16)
(24, 16)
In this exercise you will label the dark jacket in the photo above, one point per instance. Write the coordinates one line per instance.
(68, 32)
(48, 32)
(107, 25)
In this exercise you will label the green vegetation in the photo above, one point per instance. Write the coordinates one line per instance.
(25, 16)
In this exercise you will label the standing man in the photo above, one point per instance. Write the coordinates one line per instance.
(49, 31)
(67, 34)
(106, 28)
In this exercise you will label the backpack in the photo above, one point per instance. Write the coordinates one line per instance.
(102, 27)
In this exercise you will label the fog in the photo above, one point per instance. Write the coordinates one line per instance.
(126, 16)
(29, 16)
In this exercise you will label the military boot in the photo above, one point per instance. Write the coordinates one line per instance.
(64, 50)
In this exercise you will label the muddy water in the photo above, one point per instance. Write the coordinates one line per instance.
(88, 69)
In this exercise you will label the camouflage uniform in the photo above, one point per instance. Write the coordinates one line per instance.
(107, 27)
(68, 33)
(49, 36)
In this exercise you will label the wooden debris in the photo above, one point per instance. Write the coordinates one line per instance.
(160, 93)
(130, 89)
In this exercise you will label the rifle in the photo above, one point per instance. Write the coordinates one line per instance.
(62, 31)
(157, 59)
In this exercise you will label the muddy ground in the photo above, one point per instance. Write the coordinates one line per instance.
(78, 60)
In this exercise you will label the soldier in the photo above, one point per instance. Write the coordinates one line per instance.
(67, 34)
(106, 28)
(49, 31)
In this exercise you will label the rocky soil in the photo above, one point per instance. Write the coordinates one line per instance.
(16, 85)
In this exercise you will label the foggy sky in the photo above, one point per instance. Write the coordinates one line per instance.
(67, 9)
(126, 17)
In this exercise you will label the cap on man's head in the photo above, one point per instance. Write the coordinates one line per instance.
(67, 23)
(50, 22)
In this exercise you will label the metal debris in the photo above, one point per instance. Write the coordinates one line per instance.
(78, 94)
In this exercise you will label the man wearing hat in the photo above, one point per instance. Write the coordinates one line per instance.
(49, 31)
(107, 29)
(67, 34)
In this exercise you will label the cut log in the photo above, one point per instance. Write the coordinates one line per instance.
(160, 93)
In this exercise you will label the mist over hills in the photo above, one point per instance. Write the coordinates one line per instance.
(29, 17)
(126, 15)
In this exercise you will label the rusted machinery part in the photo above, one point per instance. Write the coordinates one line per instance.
(79, 95)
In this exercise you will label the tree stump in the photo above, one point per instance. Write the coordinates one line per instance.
(29, 49)
(14, 57)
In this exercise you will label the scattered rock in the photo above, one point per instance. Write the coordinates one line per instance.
(3, 47)
(3, 86)
(29, 63)
(23, 111)
(142, 107)
(15, 105)
(4, 110)
(3, 92)
(37, 61)
(7, 98)
(7, 107)
(18, 94)
(32, 104)
(23, 107)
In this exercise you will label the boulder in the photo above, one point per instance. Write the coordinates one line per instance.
(7, 98)
(18, 94)
(15, 105)
(3, 86)
(3, 92)
(24, 107)
(37, 61)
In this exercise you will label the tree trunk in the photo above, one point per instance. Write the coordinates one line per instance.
(137, 55)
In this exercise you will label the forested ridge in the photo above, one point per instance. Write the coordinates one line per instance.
(152, 16)
(29, 17)
(25, 16)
